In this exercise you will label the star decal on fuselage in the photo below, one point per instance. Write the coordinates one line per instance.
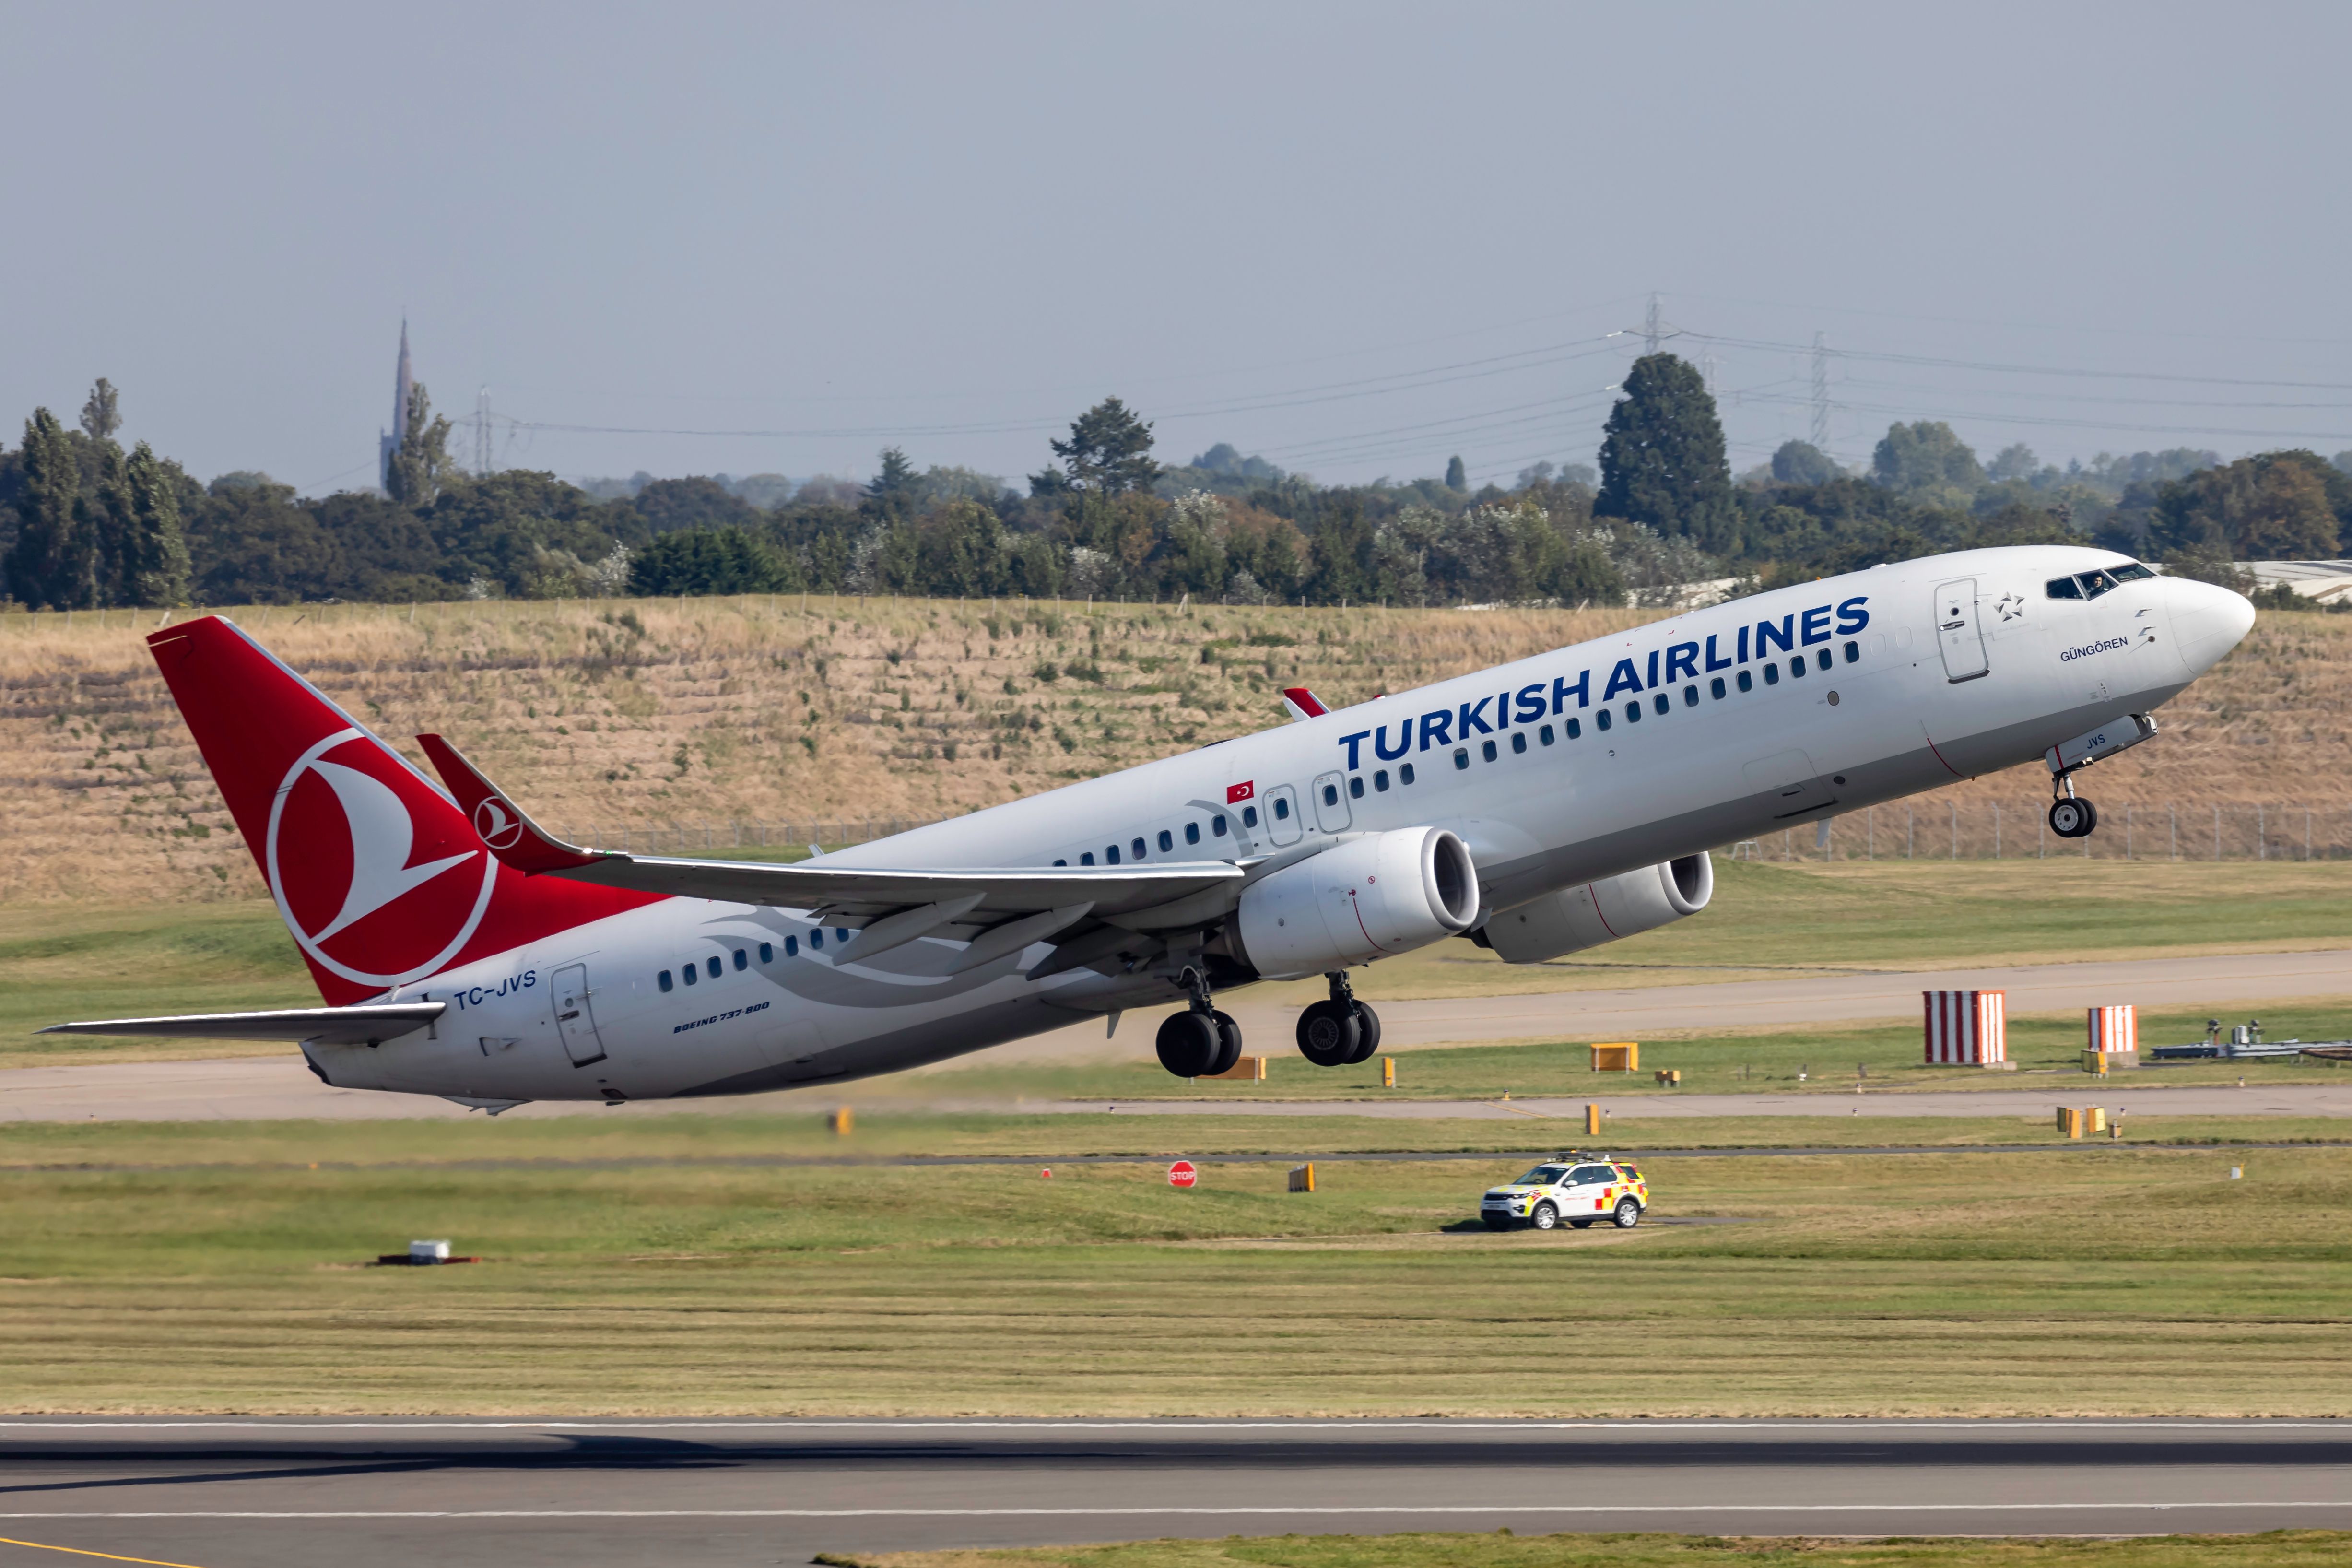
(2011, 606)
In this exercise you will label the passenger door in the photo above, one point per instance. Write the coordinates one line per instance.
(575, 1016)
(1587, 1196)
(1331, 803)
(1282, 824)
(1957, 630)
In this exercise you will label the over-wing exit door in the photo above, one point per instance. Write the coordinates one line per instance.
(1958, 631)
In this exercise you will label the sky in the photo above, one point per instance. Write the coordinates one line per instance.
(1357, 238)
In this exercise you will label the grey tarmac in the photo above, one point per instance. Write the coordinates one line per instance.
(506, 1493)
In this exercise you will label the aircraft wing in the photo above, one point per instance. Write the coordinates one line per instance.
(921, 901)
(367, 1024)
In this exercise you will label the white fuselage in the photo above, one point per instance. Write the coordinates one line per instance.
(1896, 709)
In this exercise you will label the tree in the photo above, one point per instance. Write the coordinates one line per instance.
(54, 560)
(1928, 460)
(1108, 450)
(1802, 463)
(2275, 506)
(895, 489)
(692, 503)
(2015, 461)
(154, 568)
(422, 463)
(1342, 554)
(707, 561)
(1457, 477)
(1661, 456)
(100, 416)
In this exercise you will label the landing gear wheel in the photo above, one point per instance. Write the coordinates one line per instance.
(1368, 1033)
(1546, 1218)
(1188, 1044)
(1327, 1034)
(1585, 1224)
(2072, 817)
(1229, 1043)
(1629, 1214)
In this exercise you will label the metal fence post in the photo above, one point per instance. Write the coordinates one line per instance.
(1996, 830)
(2127, 832)
(2172, 817)
(2261, 836)
(1907, 830)
(1955, 827)
(2217, 831)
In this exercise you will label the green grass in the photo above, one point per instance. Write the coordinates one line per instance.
(2125, 1280)
(2277, 1549)
(98, 961)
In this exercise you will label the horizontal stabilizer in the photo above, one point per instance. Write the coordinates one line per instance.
(982, 894)
(367, 1024)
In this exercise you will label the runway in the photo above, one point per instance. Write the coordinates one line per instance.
(360, 1493)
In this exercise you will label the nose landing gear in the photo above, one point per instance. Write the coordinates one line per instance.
(2069, 816)
(1339, 1031)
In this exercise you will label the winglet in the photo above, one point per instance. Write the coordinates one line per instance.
(504, 830)
(1301, 703)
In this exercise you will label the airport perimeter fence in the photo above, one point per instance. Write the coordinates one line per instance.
(1948, 830)
(1917, 830)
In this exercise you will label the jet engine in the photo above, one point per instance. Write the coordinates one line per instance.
(1595, 912)
(1383, 893)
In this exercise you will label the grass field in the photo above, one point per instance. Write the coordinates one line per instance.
(114, 960)
(227, 1275)
(2279, 1549)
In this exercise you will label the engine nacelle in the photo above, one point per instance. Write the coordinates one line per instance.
(1596, 912)
(1384, 893)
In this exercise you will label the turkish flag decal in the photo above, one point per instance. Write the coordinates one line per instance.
(1236, 794)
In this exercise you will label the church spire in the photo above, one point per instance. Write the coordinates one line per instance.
(387, 444)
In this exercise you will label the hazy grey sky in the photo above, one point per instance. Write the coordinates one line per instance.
(1357, 238)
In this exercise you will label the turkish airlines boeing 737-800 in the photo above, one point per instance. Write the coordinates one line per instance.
(1535, 809)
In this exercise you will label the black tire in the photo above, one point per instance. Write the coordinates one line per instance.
(1545, 1215)
(1187, 1044)
(1368, 1033)
(1229, 1043)
(1629, 1213)
(1327, 1034)
(1580, 1225)
(2073, 818)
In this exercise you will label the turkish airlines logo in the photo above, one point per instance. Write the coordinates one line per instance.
(369, 883)
(501, 828)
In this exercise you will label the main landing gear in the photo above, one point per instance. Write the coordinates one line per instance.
(1199, 1042)
(2069, 816)
(1339, 1031)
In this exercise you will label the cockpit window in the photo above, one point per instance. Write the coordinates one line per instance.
(2091, 584)
(2095, 584)
(2130, 571)
(2064, 588)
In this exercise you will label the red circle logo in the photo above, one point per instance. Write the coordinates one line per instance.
(1182, 1174)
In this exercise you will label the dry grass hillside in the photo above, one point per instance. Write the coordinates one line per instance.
(632, 713)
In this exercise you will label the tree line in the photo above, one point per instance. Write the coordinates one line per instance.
(85, 525)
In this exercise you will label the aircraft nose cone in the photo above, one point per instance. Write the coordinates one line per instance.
(2207, 621)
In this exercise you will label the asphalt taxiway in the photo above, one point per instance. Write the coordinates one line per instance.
(359, 1493)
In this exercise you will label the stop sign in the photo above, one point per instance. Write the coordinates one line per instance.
(1182, 1174)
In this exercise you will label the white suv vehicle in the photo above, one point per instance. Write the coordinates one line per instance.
(1577, 1188)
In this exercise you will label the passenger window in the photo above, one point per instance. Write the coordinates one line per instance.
(1854, 653)
(767, 953)
(1771, 676)
(1110, 854)
(692, 973)
(792, 947)
(2061, 588)
(1137, 848)
(1461, 758)
(1166, 841)
(1356, 787)
(1544, 734)
(1404, 772)
(816, 937)
(1519, 739)
(1746, 681)
(1690, 696)
(1662, 702)
(1192, 831)
(1330, 795)
(1575, 727)
(742, 960)
(1601, 717)
(1249, 819)
(1822, 659)
(1381, 781)
(1715, 688)
(1632, 712)
(663, 979)
(1281, 808)
(1797, 665)
(1063, 862)
(714, 969)
(1486, 750)
(1087, 859)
